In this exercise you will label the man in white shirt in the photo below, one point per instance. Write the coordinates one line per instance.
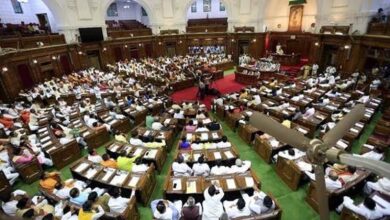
(157, 125)
(117, 203)
(218, 169)
(201, 168)
(138, 166)
(369, 209)
(259, 203)
(382, 186)
(9, 205)
(212, 205)
(224, 143)
(332, 181)
(240, 166)
(236, 208)
(180, 168)
(94, 157)
(310, 111)
(178, 114)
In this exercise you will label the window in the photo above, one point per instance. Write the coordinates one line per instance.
(143, 12)
(206, 5)
(17, 7)
(193, 7)
(112, 11)
(221, 6)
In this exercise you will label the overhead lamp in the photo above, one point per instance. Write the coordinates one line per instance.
(35, 61)
(4, 69)
(80, 53)
(53, 57)
(254, 40)
(125, 46)
(104, 49)
(316, 44)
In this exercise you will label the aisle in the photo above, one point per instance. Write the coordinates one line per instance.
(225, 85)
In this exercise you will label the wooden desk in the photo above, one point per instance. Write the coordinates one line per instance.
(265, 150)
(313, 122)
(289, 172)
(180, 85)
(121, 125)
(248, 132)
(208, 136)
(357, 184)
(99, 176)
(287, 59)
(152, 135)
(156, 156)
(30, 172)
(6, 188)
(227, 156)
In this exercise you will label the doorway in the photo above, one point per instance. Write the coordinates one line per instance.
(330, 55)
(94, 58)
(44, 23)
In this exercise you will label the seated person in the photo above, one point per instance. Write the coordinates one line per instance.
(178, 114)
(108, 162)
(77, 197)
(94, 157)
(214, 126)
(236, 208)
(124, 162)
(191, 210)
(87, 212)
(164, 209)
(49, 180)
(218, 169)
(184, 144)
(180, 168)
(309, 111)
(117, 203)
(224, 143)
(345, 173)
(200, 115)
(157, 125)
(201, 168)
(382, 185)
(139, 167)
(22, 155)
(190, 127)
(332, 181)
(212, 205)
(259, 202)
(201, 128)
(240, 166)
(135, 139)
(290, 154)
(99, 200)
(9, 203)
(369, 209)
(121, 137)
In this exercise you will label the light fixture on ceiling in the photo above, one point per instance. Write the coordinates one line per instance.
(4, 69)
(23, 1)
(126, 6)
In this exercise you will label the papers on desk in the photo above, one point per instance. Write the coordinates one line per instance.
(47, 144)
(90, 173)
(112, 122)
(215, 182)
(147, 133)
(119, 179)
(138, 152)
(217, 155)
(228, 154)
(249, 181)
(231, 184)
(176, 184)
(134, 181)
(204, 136)
(385, 204)
(50, 150)
(291, 109)
(189, 136)
(321, 117)
(151, 154)
(81, 167)
(196, 156)
(171, 111)
(285, 112)
(45, 133)
(367, 115)
(114, 148)
(108, 174)
(369, 146)
(274, 143)
(43, 140)
(303, 131)
(86, 134)
(207, 121)
(191, 187)
(341, 144)
(214, 135)
(354, 130)
(360, 125)
(303, 166)
(42, 130)
(167, 121)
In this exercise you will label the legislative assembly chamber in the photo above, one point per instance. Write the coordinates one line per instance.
(194, 109)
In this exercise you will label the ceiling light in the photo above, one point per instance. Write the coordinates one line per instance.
(5, 69)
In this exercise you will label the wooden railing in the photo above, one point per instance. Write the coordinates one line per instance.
(129, 33)
(378, 28)
(32, 42)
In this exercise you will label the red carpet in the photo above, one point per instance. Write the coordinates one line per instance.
(225, 85)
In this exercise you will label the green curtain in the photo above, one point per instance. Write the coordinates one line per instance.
(296, 2)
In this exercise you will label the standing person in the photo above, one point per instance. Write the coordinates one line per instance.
(212, 204)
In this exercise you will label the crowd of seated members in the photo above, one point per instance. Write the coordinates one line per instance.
(254, 66)
(380, 16)
(21, 29)
(213, 207)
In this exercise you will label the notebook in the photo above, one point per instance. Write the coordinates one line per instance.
(230, 184)
(249, 181)
(217, 155)
(90, 173)
(134, 181)
(108, 174)
(191, 187)
(81, 167)
(229, 154)
(119, 179)
(204, 136)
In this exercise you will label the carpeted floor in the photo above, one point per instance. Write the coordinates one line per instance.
(225, 85)
(292, 202)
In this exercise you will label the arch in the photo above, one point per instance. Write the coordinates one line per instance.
(189, 3)
(143, 3)
(56, 11)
